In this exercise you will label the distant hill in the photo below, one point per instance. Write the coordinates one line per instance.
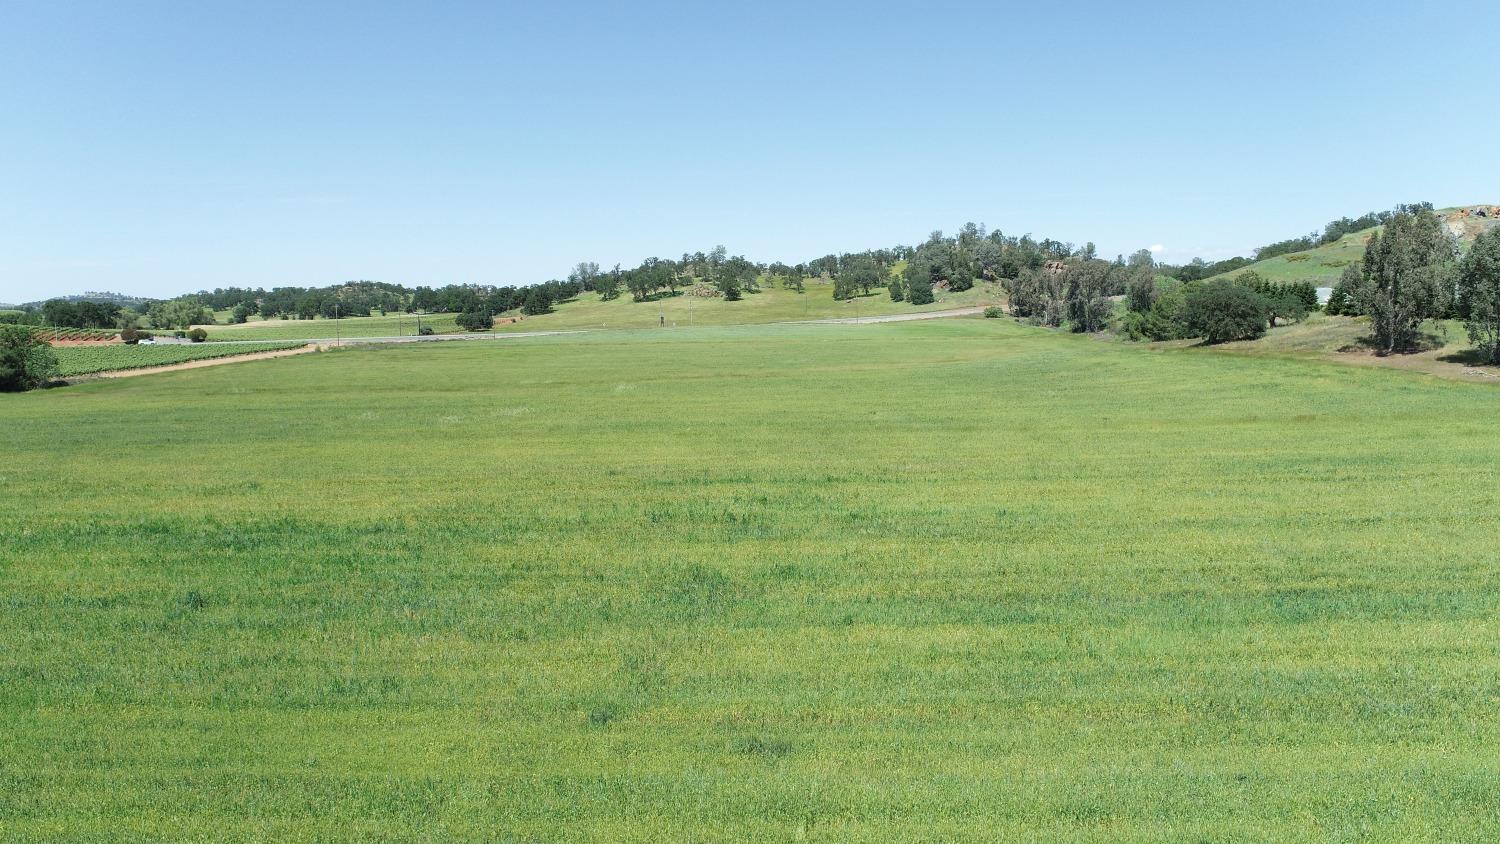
(105, 296)
(1324, 264)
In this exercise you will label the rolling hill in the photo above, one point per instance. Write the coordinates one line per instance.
(1324, 264)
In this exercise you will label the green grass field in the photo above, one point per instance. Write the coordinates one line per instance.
(959, 580)
(86, 360)
(771, 304)
(392, 325)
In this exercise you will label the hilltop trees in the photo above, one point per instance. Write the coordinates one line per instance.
(538, 301)
(1407, 276)
(861, 271)
(732, 275)
(607, 285)
(26, 362)
(84, 314)
(1479, 294)
(586, 275)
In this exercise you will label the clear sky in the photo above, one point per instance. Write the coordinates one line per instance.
(158, 148)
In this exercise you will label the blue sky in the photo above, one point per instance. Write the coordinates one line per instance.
(157, 148)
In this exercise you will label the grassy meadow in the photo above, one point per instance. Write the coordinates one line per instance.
(958, 580)
(770, 304)
(86, 360)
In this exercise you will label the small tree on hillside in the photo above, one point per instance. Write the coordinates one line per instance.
(607, 285)
(728, 285)
(537, 302)
(919, 281)
(1479, 294)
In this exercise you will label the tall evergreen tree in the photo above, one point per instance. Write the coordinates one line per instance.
(1407, 274)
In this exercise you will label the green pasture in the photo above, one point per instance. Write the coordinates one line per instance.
(771, 303)
(958, 580)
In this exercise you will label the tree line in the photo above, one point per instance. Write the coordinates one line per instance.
(1413, 270)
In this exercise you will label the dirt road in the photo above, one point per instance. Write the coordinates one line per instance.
(865, 320)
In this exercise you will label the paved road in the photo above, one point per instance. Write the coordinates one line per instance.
(439, 338)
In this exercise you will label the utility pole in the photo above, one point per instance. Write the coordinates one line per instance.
(338, 334)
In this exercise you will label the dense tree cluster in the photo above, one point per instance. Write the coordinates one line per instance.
(1241, 307)
(65, 314)
(1080, 292)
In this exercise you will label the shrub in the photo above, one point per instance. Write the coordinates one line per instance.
(1225, 311)
(424, 330)
(1288, 306)
(475, 320)
(197, 335)
(130, 335)
(994, 312)
(26, 361)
